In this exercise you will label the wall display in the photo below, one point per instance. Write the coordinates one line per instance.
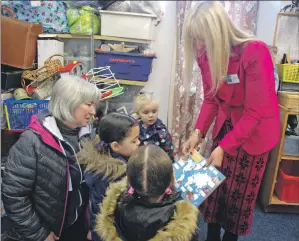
(286, 36)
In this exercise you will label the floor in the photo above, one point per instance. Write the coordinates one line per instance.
(268, 226)
(265, 227)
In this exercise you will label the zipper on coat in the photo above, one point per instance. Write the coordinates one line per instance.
(80, 181)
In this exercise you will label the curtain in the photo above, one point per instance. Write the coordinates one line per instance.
(187, 100)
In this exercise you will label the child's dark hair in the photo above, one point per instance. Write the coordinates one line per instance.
(149, 171)
(114, 127)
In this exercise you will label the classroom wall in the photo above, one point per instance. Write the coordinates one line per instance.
(267, 19)
(160, 78)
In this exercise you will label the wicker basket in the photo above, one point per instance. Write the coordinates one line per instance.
(50, 68)
(44, 89)
(288, 72)
(289, 100)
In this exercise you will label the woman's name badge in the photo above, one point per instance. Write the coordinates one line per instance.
(232, 79)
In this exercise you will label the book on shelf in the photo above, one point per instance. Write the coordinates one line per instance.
(195, 181)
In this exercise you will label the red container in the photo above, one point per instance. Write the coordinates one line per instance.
(287, 186)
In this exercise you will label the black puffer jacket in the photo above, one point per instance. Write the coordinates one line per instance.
(36, 180)
(136, 220)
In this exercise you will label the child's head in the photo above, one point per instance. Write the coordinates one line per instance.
(146, 108)
(150, 172)
(120, 132)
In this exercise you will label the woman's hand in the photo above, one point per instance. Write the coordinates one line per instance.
(192, 143)
(216, 158)
(51, 237)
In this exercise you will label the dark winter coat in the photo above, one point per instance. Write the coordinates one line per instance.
(36, 180)
(100, 171)
(172, 220)
(157, 134)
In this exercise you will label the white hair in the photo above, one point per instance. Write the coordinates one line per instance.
(68, 93)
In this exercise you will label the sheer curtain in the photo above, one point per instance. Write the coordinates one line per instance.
(183, 114)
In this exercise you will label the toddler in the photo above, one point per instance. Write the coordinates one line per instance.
(152, 129)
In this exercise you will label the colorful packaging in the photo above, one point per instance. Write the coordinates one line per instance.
(51, 14)
(80, 20)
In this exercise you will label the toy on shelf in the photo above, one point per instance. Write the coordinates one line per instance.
(106, 82)
(74, 68)
(121, 48)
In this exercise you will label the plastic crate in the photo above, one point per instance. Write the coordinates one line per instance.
(126, 66)
(288, 72)
(291, 145)
(287, 186)
(18, 112)
(127, 25)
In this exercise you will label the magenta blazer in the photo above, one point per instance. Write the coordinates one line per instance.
(251, 104)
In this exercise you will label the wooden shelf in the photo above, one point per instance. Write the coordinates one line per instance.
(99, 37)
(276, 201)
(289, 157)
(132, 82)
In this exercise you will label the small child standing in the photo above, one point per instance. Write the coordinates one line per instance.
(106, 161)
(146, 205)
(152, 129)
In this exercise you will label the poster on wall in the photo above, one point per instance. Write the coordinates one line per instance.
(286, 36)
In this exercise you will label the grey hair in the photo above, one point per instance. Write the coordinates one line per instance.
(68, 93)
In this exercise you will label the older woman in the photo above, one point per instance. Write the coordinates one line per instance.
(239, 91)
(43, 188)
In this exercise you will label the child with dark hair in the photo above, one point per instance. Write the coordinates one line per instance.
(106, 160)
(146, 205)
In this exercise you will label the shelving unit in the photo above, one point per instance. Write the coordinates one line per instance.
(269, 200)
(100, 37)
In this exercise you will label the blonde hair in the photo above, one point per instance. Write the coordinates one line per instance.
(209, 22)
(142, 100)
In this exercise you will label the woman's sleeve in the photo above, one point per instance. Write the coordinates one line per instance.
(207, 112)
(17, 185)
(259, 79)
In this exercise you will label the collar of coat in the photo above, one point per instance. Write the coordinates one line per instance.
(97, 163)
(181, 228)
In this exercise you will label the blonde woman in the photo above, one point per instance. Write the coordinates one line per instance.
(239, 91)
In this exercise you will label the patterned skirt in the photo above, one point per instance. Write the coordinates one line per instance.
(232, 204)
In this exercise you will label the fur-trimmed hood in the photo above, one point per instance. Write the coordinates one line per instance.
(181, 227)
(98, 164)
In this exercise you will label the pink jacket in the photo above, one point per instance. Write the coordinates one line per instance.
(251, 104)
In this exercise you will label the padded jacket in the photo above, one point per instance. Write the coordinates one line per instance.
(36, 180)
(136, 220)
(100, 171)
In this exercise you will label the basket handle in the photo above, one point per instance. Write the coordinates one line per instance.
(9, 10)
(58, 55)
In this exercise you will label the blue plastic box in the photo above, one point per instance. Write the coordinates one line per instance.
(127, 66)
(19, 112)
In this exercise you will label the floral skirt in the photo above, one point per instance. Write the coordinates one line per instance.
(232, 204)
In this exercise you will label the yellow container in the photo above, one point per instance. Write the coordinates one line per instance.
(288, 72)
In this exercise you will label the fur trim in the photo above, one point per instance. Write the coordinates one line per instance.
(98, 163)
(181, 228)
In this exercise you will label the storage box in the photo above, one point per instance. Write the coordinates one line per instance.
(127, 66)
(287, 186)
(291, 145)
(19, 112)
(288, 72)
(127, 25)
(10, 77)
(289, 99)
(47, 45)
